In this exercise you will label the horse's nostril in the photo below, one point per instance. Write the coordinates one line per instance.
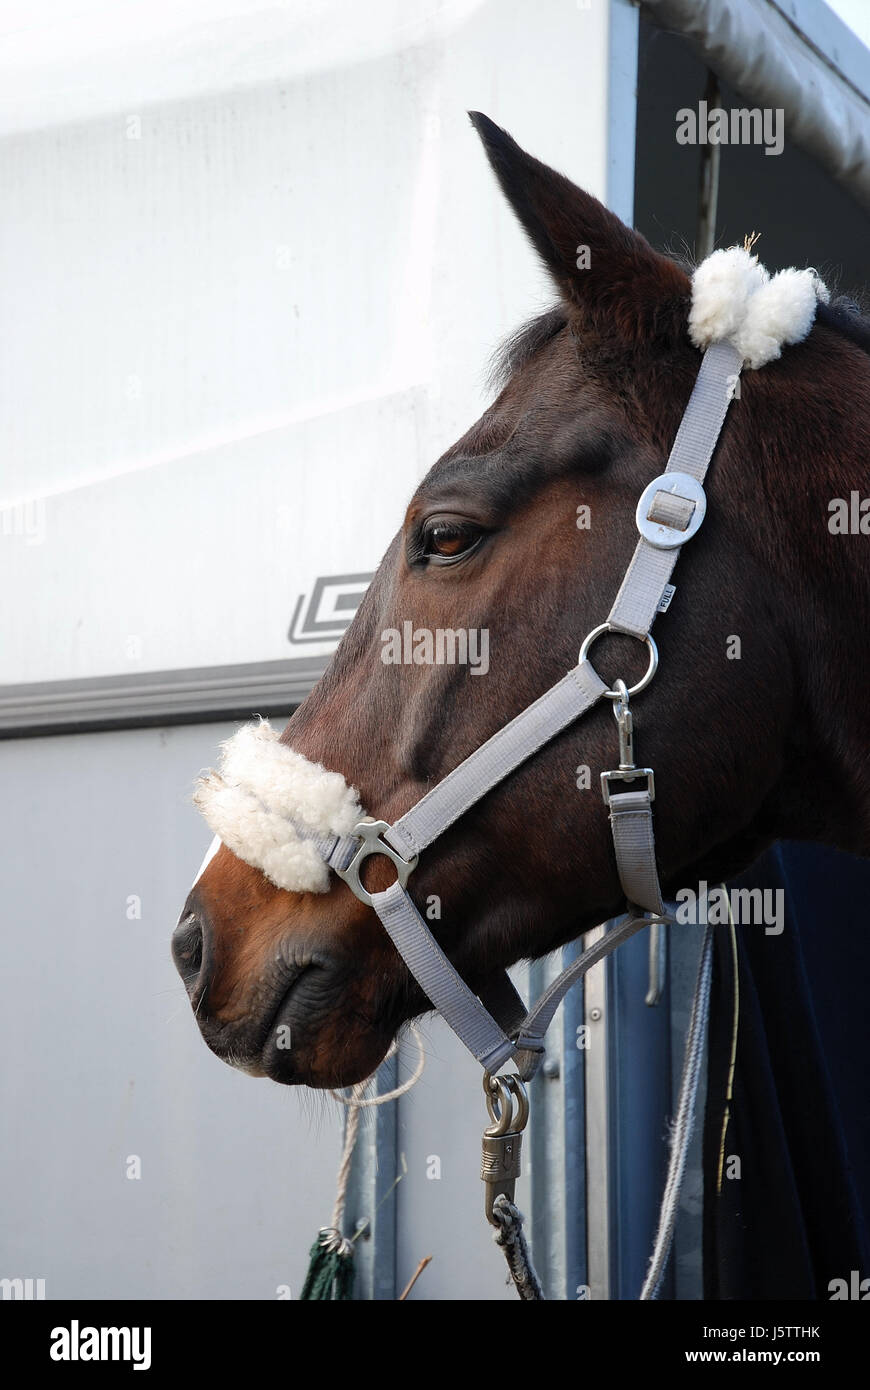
(188, 942)
(187, 948)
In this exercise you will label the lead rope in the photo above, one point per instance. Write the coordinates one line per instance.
(508, 1219)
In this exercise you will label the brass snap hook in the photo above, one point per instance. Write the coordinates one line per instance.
(508, 1104)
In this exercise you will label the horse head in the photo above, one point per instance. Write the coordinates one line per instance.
(511, 550)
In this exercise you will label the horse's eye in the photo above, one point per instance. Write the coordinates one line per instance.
(449, 540)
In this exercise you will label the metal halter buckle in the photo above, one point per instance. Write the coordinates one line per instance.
(681, 485)
(628, 774)
(369, 831)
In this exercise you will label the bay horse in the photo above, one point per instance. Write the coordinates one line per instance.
(756, 725)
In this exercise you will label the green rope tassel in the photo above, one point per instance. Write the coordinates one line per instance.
(330, 1270)
(331, 1260)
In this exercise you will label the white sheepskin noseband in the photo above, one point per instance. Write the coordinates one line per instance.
(262, 782)
(733, 297)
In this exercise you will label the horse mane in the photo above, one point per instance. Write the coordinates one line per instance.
(844, 314)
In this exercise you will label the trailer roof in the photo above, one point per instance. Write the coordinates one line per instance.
(791, 54)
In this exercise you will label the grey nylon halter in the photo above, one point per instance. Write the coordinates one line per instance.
(495, 1026)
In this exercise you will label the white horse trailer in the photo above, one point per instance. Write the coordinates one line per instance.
(253, 264)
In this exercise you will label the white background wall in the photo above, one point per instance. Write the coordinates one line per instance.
(252, 262)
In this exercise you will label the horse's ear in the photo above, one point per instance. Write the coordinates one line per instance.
(608, 272)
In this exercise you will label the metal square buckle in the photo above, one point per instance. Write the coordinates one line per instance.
(629, 774)
(681, 485)
(369, 831)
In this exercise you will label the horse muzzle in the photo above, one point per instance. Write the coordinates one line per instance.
(287, 1018)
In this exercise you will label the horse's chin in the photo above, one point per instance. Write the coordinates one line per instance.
(323, 1065)
(321, 1074)
(321, 1036)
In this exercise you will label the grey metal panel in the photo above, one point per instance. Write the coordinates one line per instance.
(439, 1199)
(628, 1104)
(149, 697)
(640, 1041)
(557, 1141)
(370, 1213)
(598, 1125)
(684, 956)
(101, 1058)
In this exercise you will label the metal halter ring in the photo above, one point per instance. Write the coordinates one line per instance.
(369, 832)
(650, 670)
(501, 1093)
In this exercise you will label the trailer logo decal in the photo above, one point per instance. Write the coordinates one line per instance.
(333, 602)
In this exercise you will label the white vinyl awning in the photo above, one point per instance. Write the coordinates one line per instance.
(793, 54)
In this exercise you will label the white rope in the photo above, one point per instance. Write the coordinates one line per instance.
(331, 1235)
(684, 1122)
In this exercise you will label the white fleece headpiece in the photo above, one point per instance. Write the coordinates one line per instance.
(734, 297)
(260, 784)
